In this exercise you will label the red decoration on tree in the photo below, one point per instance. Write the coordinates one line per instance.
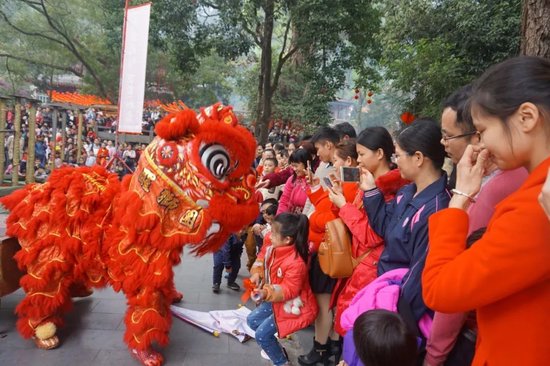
(356, 90)
(407, 118)
(369, 101)
(356, 97)
(370, 94)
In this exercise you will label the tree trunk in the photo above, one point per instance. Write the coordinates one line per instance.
(535, 28)
(266, 66)
(259, 105)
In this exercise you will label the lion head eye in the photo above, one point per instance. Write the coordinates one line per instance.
(216, 159)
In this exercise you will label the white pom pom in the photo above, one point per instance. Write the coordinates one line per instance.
(296, 310)
(287, 307)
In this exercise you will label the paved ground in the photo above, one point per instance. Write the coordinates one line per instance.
(94, 329)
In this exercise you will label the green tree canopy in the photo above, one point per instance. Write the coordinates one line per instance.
(433, 47)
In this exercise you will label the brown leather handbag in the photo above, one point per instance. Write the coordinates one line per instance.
(335, 256)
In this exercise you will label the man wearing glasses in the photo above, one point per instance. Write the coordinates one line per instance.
(458, 132)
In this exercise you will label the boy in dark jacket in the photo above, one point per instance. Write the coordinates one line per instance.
(228, 257)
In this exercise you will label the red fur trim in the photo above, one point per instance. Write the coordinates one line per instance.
(390, 183)
(178, 125)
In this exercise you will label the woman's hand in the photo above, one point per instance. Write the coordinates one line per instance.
(470, 171)
(337, 198)
(544, 196)
(366, 181)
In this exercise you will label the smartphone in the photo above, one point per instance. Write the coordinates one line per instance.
(350, 174)
(328, 182)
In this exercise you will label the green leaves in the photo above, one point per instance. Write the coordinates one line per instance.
(432, 48)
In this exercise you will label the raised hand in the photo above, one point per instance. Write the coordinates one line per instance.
(470, 170)
(336, 197)
(262, 183)
(367, 180)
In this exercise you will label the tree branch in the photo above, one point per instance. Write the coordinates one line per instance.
(31, 34)
(247, 29)
(41, 63)
(73, 49)
(282, 58)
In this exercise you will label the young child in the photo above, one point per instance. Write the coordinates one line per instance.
(270, 166)
(281, 276)
(382, 338)
(229, 256)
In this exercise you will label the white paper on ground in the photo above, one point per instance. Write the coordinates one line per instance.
(227, 321)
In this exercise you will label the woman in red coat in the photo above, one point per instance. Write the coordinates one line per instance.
(505, 276)
(375, 148)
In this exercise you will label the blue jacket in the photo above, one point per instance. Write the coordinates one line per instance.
(232, 250)
(403, 222)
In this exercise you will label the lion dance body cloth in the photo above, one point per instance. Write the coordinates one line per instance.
(85, 229)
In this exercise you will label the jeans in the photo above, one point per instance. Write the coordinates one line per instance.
(219, 265)
(262, 321)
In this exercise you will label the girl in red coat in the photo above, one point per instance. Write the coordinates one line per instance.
(281, 276)
(374, 150)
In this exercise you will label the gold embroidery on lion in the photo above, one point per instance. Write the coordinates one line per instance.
(146, 178)
(190, 218)
(167, 199)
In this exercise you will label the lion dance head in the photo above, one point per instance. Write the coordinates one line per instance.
(194, 181)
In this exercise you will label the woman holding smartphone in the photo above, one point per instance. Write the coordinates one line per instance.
(403, 222)
(326, 343)
(374, 148)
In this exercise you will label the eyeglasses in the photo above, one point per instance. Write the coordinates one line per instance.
(447, 138)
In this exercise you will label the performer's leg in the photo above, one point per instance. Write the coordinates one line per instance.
(47, 298)
(148, 320)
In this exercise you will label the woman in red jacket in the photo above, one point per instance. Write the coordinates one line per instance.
(505, 276)
(280, 273)
(375, 148)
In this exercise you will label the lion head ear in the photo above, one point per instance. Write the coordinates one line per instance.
(178, 125)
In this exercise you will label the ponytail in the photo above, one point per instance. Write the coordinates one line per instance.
(295, 226)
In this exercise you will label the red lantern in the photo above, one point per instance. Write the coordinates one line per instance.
(356, 97)
(370, 94)
(369, 101)
(407, 118)
(356, 90)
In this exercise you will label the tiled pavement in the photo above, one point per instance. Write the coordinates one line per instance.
(94, 329)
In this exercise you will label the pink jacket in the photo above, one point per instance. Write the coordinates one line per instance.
(294, 195)
(381, 293)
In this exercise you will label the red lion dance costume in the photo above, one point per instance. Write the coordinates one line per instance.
(85, 229)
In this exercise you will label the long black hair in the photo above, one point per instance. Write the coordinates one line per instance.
(504, 87)
(374, 138)
(295, 226)
(423, 135)
(300, 156)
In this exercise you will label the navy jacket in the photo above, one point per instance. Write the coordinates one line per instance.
(403, 222)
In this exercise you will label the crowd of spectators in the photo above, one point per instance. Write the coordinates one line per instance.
(52, 152)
